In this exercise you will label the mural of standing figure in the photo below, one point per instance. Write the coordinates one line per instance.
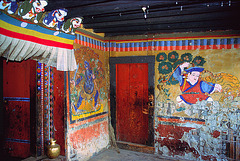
(89, 77)
(192, 88)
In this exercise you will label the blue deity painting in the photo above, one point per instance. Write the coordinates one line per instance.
(87, 84)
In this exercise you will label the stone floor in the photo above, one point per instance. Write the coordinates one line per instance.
(108, 155)
(114, 155)
(127, 155)
(45, 158)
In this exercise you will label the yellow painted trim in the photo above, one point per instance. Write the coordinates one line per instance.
(34, 33)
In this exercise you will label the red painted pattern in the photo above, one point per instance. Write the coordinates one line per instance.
(84, 43)
(168, 48)
(215, 134)
(153, 47)
(85, 136)
(179, 121)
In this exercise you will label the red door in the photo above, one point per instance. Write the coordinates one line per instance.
(131, 102)
(16, 98)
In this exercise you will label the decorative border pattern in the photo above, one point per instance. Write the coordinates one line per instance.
(46, 105)
(91, 42)
(189, 43)
(51, 102)
(45, 127)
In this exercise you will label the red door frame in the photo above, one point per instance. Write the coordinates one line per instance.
(151, 72)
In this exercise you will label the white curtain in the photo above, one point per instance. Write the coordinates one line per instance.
(18, 50)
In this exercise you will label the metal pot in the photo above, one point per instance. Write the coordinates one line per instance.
(53, 149)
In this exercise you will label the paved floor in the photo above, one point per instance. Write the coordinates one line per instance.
(127, 155)
(107, 155)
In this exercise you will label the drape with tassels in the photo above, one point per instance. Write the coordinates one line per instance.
(20, 40)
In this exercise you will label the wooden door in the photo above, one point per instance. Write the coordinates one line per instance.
(16, 107)
(131, 102)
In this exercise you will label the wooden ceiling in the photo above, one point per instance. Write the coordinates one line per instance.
(117, 17)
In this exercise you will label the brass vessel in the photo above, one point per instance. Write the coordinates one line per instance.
(53, 149)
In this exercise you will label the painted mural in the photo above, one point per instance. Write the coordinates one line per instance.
(88, 106)
(87, 85)
(198, 104)
(196, 83)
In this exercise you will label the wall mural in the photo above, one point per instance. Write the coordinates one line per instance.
(34, 10)
(195, 83)
(88, 85)
(200, 100)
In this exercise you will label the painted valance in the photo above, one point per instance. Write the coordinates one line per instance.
(21, 40)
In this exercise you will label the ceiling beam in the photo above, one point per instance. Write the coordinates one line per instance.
(71, 4)
(159, 13)
(165, 20)
(133, 7)
(213, 24)
(164, 31)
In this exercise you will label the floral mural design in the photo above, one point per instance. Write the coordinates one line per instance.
(187, 57)
(198, 61)
(165, 67)
(169, 63)
(161, 57)
(173, 56)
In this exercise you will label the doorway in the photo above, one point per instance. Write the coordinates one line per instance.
(131, 84)
(18, 95)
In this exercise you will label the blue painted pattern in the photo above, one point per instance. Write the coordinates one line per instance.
(142, 45)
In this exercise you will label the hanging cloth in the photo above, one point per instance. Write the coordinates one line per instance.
(20, 40)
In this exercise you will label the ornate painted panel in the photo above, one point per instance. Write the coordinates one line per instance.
(88, 85)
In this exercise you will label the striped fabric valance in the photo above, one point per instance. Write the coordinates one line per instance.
(21, 40)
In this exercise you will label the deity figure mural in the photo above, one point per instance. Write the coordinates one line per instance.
(87, 85)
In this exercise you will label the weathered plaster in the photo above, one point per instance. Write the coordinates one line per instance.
(84, 143)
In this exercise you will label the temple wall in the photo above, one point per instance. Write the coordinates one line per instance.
(201, 131)
(204, 130)
(87, 105)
